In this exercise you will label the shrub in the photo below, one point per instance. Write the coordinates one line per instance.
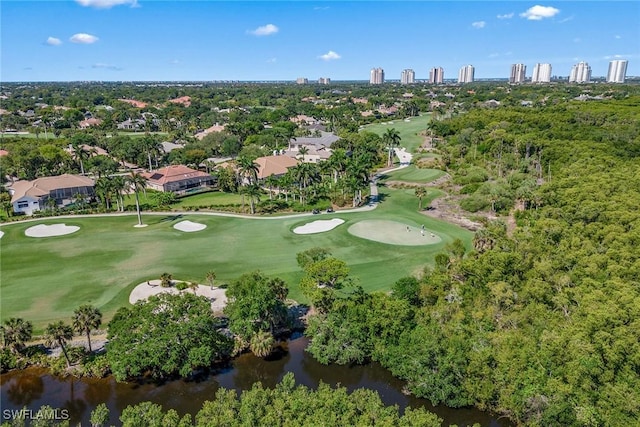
(181, 286)
(474, 203)
(470, 188)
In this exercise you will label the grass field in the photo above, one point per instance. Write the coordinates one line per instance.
(46, 279)
(409, 131)
(413, 174)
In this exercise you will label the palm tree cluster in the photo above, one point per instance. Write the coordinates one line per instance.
(344, 175)
(16, 332)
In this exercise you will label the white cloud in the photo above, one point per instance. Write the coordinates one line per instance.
(329, 56)
(106, 66)
(577, 40)
(174, 62)
(537, 12)
(83, 38)
(478, 24)
(618, 37)
(321, 8)
(53, 41)
(617, 56)
(272, 60)
(106, 4)
(505, 16)
(265, 30)
(494, 55)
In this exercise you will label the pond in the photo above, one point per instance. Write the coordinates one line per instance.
(34, 387)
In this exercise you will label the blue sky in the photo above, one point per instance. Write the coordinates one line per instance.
(115, 40)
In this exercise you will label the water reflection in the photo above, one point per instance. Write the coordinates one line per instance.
(34, 388)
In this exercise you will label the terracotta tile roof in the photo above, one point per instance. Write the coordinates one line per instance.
(90, 122)
(207, 131)
(43, 186)
(173, 173)
(274, 165)
(184, 100)
(137, 104)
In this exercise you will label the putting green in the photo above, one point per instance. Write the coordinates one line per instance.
(394, 233)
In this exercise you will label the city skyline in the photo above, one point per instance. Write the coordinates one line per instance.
(145, 40)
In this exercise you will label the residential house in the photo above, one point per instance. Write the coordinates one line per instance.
(29, 197)
(178, 179)
(318, 147)
(132, 124)
(274, 165)
(87, 123)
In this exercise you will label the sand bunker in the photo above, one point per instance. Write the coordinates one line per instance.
(43, 230)
(189, 227)
(1, 234)
(217, 296)
(318, 226)
(394, 233)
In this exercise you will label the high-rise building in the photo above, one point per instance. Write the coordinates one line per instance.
(408, 77)
(436, 75)
(580, 73)
(302, 80)
(324, 80)
(518, 72)
(377, 76)
(617, 71)
(541, 73)
(465, 75)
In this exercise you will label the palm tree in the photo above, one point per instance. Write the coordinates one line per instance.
(165, 280)
(104, 191)
(420, 193)
(261, 343)
(151, 146)
(193, 286)
(81, 155)
(118, 187)
(253, 192)
(85, 318)
(303, 152)
(59, 333)
(271, 181)
(248, 169)
(392, 139)
(137, 182)
(211, 278)
(15, 333)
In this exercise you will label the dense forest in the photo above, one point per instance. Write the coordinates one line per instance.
(539, 322)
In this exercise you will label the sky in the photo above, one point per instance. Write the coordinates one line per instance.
(171, 40)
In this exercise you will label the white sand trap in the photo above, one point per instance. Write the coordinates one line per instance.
(189, 227)
(394, 233)
(1, 234)
(43, 230)
(217, 296)
(318, 226)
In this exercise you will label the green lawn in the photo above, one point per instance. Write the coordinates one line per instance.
(409, 131)
(414, 175)
(207, 199)
(46, 279)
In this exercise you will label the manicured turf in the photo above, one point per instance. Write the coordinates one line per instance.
(414, 175)
(213, 198)
(409, 131)
(46, 279)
